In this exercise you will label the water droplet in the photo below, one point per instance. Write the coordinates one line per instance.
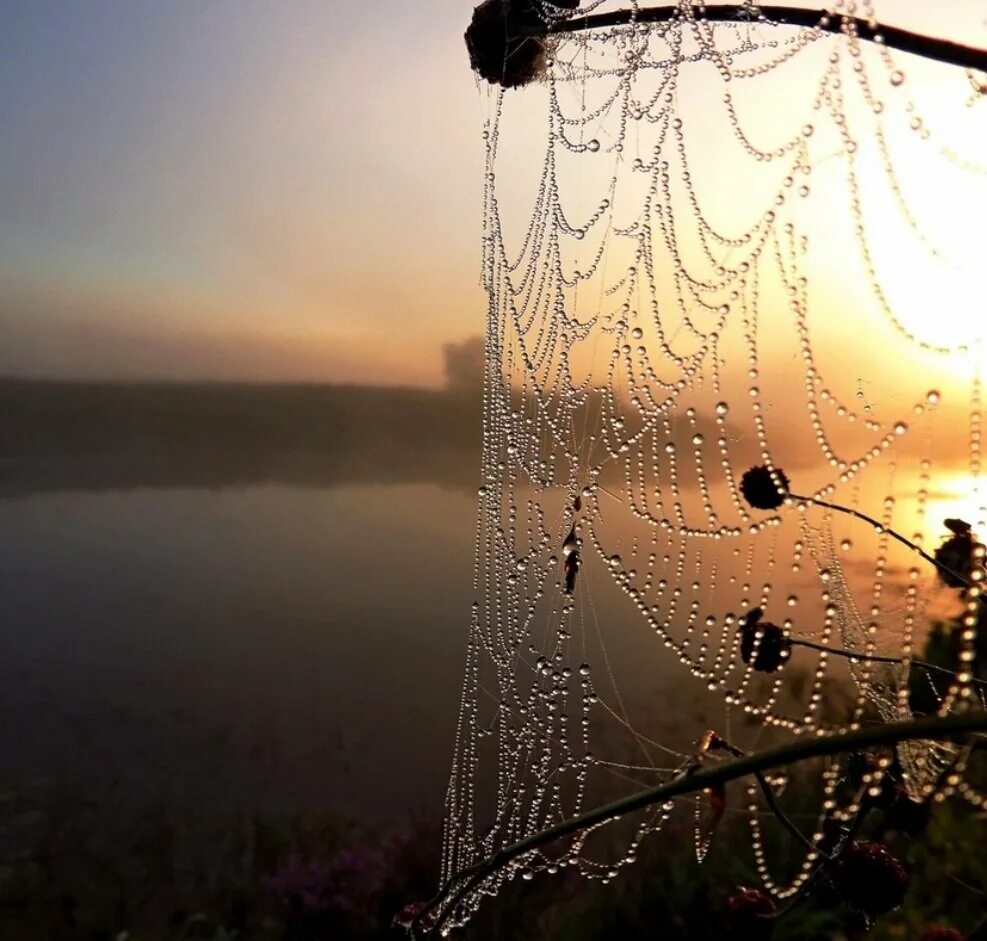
(593, 145)
(697, 439)
(900, 428)
(615, 562)
(933, 397)
(897, 77)
(722, 408)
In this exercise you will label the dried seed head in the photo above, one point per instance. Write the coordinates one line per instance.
(501, 51)
(961, 553)
(870, 879)
(771, 652)
(764, 488)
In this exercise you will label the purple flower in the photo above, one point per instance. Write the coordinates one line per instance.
(304, 884)
(750, 914)
(940, 933)
(342, 882)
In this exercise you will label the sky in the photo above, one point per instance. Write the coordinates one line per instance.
(235, 189)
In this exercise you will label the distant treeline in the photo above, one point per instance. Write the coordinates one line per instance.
(110, 435)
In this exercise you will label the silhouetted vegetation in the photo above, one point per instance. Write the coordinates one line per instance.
(103, 435)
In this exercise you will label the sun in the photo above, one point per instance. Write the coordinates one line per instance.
(962, 498)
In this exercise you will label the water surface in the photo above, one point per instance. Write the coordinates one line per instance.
(270, 646)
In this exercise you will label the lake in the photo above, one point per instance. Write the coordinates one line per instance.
(269, 646)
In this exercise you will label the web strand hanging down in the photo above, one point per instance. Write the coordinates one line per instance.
(710, 247)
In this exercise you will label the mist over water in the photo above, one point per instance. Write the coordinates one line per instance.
(248, 647)
(230, 596)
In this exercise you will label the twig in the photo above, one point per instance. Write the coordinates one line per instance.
(876, 658)
(936, 728)
(904, 540)
(930, 47)
(842, 846)
(853, 655)
(770, 800)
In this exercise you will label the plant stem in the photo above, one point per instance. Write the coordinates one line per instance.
(875, 658)
(853, 655)
(886, 529)
(937, 728)
(930, 47)
(771, 801)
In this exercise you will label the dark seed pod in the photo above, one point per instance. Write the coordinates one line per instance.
(962, 554)
(500, 51)
(760, 489)
(774, 648)
(870, 879)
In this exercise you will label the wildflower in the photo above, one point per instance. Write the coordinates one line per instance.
(774, 647)
(499, 50)
(750, 914)
(305, 884)
(940, 933)
(870, 879)
(960, 555)
(764, 488)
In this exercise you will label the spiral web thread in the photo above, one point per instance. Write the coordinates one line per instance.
(709, 247)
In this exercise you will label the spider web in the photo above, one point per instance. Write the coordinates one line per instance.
(709, 247)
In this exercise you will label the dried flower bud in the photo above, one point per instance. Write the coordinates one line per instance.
(500, 51)
(870, 879)
(764, 488)
(962, 554)
(773, 649)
